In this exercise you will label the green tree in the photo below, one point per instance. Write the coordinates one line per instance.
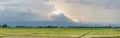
(4, 25)
(0, 25)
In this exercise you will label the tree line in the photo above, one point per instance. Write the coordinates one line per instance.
(49, 26)
(4, 26)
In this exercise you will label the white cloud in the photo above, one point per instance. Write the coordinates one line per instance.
(114, 4)
(90, 10)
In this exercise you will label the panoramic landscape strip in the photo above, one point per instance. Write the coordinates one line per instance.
(59, 18)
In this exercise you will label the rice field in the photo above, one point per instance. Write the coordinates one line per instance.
(59, 33)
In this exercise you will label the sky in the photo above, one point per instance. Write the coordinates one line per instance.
(75, 11)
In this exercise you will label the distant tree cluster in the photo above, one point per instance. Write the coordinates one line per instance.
(47, 27)
(21, 26)
(4, 26)
(50, 26)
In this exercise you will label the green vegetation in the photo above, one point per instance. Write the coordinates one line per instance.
(4, 26)
(66, 32)
(58, 32)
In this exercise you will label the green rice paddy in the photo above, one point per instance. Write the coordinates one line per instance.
(59, 33)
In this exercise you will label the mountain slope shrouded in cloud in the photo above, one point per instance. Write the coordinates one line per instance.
(61, 17)
(59, 20)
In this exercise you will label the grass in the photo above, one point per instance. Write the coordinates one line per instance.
(72, 32)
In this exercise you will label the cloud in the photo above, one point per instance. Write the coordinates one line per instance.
(90, 10)
(25, 10)
(75, 10)
(114, 4)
